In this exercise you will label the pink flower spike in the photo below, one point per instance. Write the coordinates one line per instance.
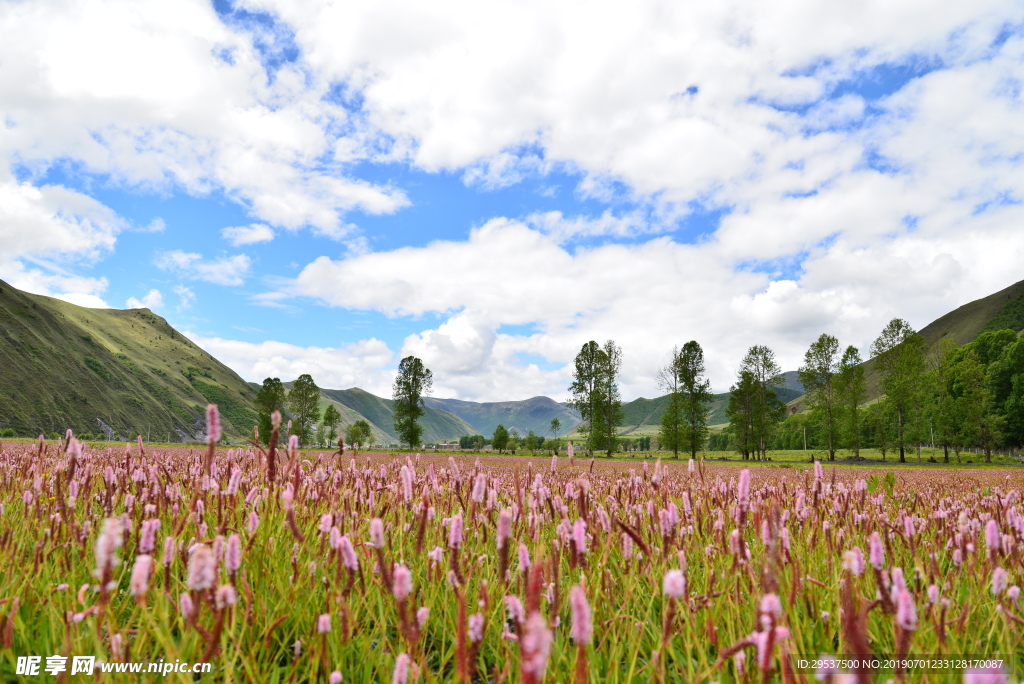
(140, 575)
(906, 614)
(743, 489)
(455, 533)
(999, 580)
(402, 583)
(377, 533)
(582, 625)
(476, 628)
(982, 676)
(674, 584)
(877, 552)
(504, 527)
(524, 558)
(323, 624)
(579, 536)
(992, 536)
(212, 424)
(421, 617)
(401, 675)
(186, 605)
(335, 678)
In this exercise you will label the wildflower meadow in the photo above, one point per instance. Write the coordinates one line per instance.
(280, 565)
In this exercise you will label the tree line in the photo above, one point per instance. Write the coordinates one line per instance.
(954, 397)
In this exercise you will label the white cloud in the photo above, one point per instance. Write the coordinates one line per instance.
(153, 300)
(647, 297)
(227, 270)
(247, 235)
(186, 297)
(362, 364)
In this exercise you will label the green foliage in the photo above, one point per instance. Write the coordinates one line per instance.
(684, 423)
(414, 380)
(595, 394)
(899, 351)
(817, 375)
(754, 409)
(500, 438)
(1010, 317)
(96, 367)
(304, 406)
(359, 432)
(330, 423)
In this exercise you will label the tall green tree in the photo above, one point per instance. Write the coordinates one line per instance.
(979, 422)
(271, 397)
(595, 394)
(304, 405)
(754, 409)
(413, 382)
(331, 420)
(943, 405)
(899, 354)
(359, 432)
(684, 424)
(500, 438)
(817, 375)
(852, 392)
(672, 434)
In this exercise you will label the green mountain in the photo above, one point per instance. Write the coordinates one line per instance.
(115, 372)
(530, 414)
(438, 425)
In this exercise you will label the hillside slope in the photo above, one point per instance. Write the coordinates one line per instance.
(529, 414)
(646, 413)
(110, 371)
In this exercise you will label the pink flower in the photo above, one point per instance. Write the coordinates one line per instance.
(999, 579)
(479, 487)
(212, 424)
(401, 675)
(254, 522)
(876, 553)
(674, 584)
(335, 678)
(579, 536)
(348, 554)
(168, 550)
(402, 583)
(233, 558)
(226, 596)
(406, 483)
(140, 575)
(504, 527)
(515, 609)
(326, 523)
(202, 569)
(323, 624)
(476, 628)
(569, 451)
(1013, 593)
(906, 614)
(817, 470)
(455, 533)
(421, 616)
(147, 542)
(989, 676)
(992, 536)
(436, 554)
(582, 625)
(377, 533)
(535, 643)
(524, 558)
(853, 560)
(743, 489)
(933, 594)
(185, 604)
(771, 605)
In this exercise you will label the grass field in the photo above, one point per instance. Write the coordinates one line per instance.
(598, 571)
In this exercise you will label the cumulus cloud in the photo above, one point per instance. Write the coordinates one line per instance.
(153, 300)
(361, 364)
(186, 297)
(247, 235)
(227, 270)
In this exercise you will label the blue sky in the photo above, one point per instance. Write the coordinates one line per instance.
(489, 188)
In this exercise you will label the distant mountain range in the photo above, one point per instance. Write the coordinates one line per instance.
(126, 372)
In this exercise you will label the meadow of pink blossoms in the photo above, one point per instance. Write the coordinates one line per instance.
(297, 566)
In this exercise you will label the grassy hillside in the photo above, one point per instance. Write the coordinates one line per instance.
(438, 425)
(530, 414)
(115, 372)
